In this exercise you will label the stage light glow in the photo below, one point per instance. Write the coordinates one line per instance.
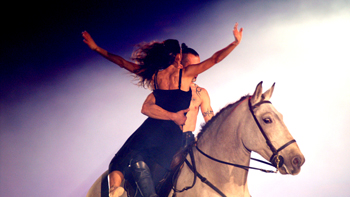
(63, 132)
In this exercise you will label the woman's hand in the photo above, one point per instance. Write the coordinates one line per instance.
(89, 41)
(237, 34)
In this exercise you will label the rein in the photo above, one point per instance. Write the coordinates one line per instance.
(276, 159)
(237, 165)
(205, 180)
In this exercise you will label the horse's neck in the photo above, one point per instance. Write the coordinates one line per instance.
(222, 141)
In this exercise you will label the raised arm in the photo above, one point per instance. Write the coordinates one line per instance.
(149, 108)
(111, 57)
(194, 70)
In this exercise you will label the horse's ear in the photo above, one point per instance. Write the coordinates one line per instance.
(257, 94)
(267, 95)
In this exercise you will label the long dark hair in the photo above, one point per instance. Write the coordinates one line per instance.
(152, 57)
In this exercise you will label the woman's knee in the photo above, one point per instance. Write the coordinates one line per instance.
(115, 178)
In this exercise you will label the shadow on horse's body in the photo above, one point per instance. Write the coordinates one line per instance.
(250, 124)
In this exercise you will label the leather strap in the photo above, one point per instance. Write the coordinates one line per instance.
(205, 180)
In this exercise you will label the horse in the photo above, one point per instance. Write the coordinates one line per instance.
(219, 161)
(250, 124)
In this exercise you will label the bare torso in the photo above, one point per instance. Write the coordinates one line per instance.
(196, 102)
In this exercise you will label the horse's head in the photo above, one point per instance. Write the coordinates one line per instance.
(269, 136)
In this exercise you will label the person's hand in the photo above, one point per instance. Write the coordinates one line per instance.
(89, 41)
(179, 117)
(237, 34)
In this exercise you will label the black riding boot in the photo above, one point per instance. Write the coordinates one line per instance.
(143, 179)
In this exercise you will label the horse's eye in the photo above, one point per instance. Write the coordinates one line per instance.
(267, 120)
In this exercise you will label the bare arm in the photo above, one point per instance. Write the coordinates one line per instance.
(194, 70)
(111, 57)
(149, 108)
(206, 109)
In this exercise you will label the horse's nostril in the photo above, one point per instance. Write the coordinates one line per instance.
(297, 161)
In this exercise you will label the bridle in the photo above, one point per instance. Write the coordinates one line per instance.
(276, 159)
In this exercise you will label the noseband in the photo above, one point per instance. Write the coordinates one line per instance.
(276, 159)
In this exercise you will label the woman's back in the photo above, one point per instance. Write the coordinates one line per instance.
(169, 93)
(168, 79)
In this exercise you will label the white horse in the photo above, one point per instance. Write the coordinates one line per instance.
(251, 124)
(223, 149)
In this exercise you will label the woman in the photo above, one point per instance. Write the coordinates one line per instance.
(156, 141)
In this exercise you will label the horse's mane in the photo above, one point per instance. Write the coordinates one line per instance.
(210, 122)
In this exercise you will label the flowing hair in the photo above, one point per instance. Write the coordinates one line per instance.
(152, 57)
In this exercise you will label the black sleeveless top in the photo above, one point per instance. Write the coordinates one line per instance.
(158, 140)
(172, 100)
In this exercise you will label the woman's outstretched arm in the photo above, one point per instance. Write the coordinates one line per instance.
(195, 69)
(132, 67)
